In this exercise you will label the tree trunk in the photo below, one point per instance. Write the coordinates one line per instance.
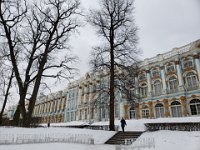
(20, 111)
(35, 92)
(15, 121)
(112, 92)
(6, 97)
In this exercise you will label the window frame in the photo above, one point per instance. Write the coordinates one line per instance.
(159, 110)
(157, 88)
(187, 63)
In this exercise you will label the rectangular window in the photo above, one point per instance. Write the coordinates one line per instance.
(144, 91)
(159, 112)
(145, 113)
(132, 114)
(176, 111)
(193, 110)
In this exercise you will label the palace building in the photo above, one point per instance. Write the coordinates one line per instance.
(167, 85)
(50, 108)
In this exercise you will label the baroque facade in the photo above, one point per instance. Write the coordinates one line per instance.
(51, 108)
(167, 85)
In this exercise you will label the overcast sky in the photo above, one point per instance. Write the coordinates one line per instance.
(163, 25)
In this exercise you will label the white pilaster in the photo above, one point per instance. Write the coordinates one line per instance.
(90, 91)
(197, 64)
(45, 106)
(122, 112)
(149, 83)
(163, 80)
(49, 106)
(136, 86)
(79, 95)
(58, 105)
(180, 78)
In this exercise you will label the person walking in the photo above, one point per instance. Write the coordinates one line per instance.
(123, 123)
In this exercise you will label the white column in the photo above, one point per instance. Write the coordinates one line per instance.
(45, 106)
(48, 104)
(197, 64)
(52, 104)
(149, 83)
(39, 108)
(122, 111)
(163, 80)
(58, 104)
(66, 105)
(90, 91)
(42, 108)
(85, 92)
(79, 94)
(55, 107)
(136, 86)
(44, 111)
(180, 78)
(35, 110)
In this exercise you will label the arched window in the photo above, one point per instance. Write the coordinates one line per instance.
(145, 111)
(132, 113)
(173, 84)
(187, 63)
(170, 68)
(155, 73)
(142, 76)
(143, 90)
(191, 81)
(195, 107)
(157, 88)
(176, 109)
(159, 110)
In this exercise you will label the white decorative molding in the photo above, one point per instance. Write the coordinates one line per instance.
(170, 54)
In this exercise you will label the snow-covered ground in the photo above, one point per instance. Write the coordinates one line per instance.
(164, 140)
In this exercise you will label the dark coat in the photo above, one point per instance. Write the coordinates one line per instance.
(123, 122)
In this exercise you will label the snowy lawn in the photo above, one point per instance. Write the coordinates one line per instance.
(99, 136)
(164, 140)
(173, 140)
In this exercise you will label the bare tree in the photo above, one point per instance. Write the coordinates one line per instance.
(37, 35)
(6, 77)
(115, 25)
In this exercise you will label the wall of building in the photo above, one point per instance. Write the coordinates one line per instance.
(168, 85)
(51, 108)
